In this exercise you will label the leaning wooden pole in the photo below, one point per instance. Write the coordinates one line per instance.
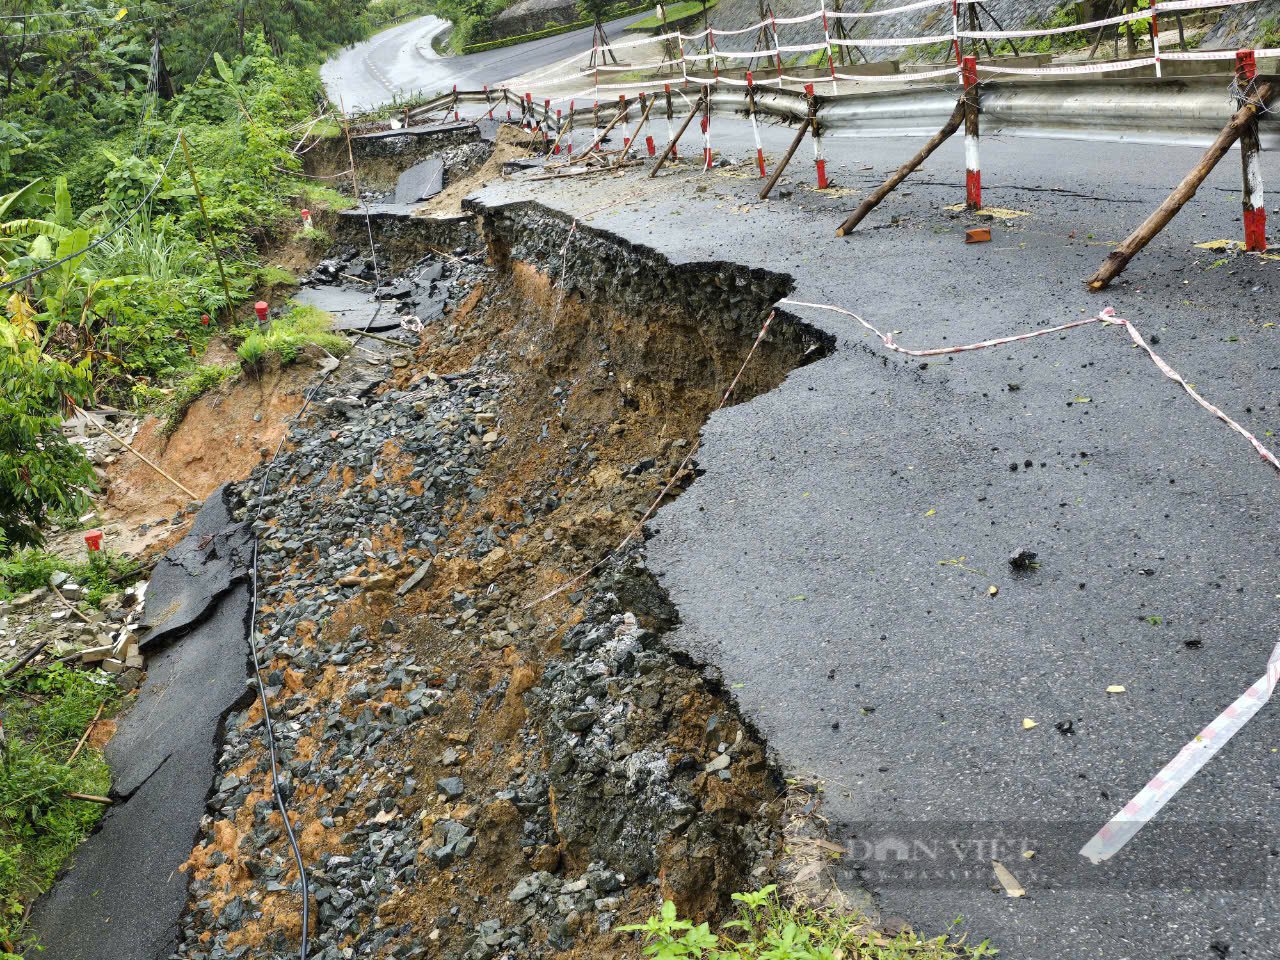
(671, 144)
(1119, 258)
(904, 171)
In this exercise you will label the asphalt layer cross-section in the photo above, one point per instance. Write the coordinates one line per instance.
(834, 564)
(400, 62)
(123, 896)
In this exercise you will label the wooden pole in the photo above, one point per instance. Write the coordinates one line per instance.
(873, 201)
(1119, 258)
(124, 443)
(805, 126)
(208, 227)
(87, 731)
(26, 658)
(671, 145)
(644, 118)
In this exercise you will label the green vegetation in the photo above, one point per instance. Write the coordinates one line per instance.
(622, 10)
(103, 574)
(767, 929)
(44, 713)
(191, 388)
(680, 10)
(106, 265)
(286, 338)
(1269, 32)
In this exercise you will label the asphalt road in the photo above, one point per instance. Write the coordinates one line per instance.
(400, 62)
(834, 563)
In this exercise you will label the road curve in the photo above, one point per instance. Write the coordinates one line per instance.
(401, 61)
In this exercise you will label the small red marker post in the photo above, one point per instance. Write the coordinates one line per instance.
(204, 319)
(261, 308)
(306, 220)
(93, 540)
(819, 163)
(972, 168)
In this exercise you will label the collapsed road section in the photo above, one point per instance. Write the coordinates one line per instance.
(438, 729)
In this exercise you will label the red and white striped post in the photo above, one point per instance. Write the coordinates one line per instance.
(755, 129)
(546, 121)
(711, 49)
(526, 109)
(506, 98)
(777, 53)
(1255, 212)
(555, 151)
(569, 132)
(625, 110)
(972, 168)
(456, 116)
(831, 61)
(706, 128)
(818, 161)
(489, 100)
(955, 30)
(671, 134)
(648, 137)
(1155, 36)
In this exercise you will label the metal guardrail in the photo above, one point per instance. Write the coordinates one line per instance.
(1185, 111)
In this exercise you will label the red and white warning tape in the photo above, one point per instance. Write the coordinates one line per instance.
(1150, 800)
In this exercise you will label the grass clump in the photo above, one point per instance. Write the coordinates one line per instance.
(39, 824)
(102, 575)
(288, 336)
(767, 929)
(676, 11)
(191, 388)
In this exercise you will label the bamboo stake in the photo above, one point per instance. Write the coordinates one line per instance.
(91, 798)
(125, 443)
(869, 204)
(68, 604)
(622, 111)
(26, 658)
(1119, 258)
(810, 122)
(786, 157)
(204, 215)
(644, 117)
(87, 731)
(679, 133)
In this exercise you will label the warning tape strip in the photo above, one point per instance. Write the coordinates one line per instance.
(889, 41)
(1082, 68)
(900, 77)
(1150, 800)
(1053, 31)
(887, 11)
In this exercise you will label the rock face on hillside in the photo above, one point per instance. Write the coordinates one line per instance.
(526, 16)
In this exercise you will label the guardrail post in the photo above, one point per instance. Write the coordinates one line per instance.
(706, 128)
(671, 137)
(972, 168)
(1255, 212)
(671, 145)
(648, 139)
(755, 129)
(812, 120)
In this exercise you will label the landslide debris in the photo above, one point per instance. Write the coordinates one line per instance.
(474, 768)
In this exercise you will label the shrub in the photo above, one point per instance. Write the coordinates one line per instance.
(771, 930)
(102, 575)
(289, 335)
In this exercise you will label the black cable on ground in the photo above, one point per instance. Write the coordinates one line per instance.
(268, 728)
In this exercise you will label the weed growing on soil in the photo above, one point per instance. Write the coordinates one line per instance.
(43, 715)
(101, 576)
(772, 930)
(175, 403)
